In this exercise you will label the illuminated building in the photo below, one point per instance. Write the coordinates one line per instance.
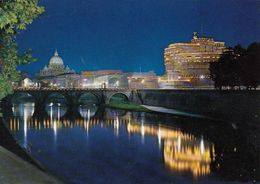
(187, 64)
(143, 80)
(104, 78)
(57, 75)
(55, 67)
(116, 78)
(28, 83)
(101, 72)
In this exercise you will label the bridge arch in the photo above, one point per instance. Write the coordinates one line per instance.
(22, 96)
(89, 98)
(72, 96)
(55, 97)
(118, 97)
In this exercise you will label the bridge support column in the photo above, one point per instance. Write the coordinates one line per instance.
(72, 99)
(39, 107)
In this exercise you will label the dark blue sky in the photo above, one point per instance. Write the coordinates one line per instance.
(129, 34)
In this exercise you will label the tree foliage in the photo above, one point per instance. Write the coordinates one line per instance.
(15, 15)
(237, 67)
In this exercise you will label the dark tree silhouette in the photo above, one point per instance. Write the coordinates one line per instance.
(251, 66)
(237, 67)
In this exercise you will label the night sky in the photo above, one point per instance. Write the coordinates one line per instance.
(129, 34)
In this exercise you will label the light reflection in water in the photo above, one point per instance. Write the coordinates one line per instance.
(87, 111)
(116, 126)
(159, 135)
(55, 112)
(26, 111)
(182, 152)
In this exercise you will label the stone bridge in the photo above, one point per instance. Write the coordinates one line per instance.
(102, 95)
(71, 96)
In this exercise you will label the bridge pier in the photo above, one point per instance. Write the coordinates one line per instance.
(72, 103)
(39, 100)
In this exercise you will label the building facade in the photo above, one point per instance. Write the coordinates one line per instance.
(57, 75)
(119, 79)
(104, 78)
(143, 80)
(187, 64)
(55, 67)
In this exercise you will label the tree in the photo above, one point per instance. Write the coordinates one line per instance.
(237, 67)
(251, 66)
(225, 71)
(15, 15)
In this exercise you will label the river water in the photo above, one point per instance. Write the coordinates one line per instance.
(99, 145)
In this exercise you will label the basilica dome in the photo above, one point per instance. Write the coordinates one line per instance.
(55, 67)
(56, 59)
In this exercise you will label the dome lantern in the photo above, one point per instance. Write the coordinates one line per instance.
(56, 59)
(56, 53)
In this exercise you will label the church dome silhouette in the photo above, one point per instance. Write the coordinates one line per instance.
(56, 59)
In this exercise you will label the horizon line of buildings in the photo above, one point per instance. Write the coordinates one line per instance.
(186, 66)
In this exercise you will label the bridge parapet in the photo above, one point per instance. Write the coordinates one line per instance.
(72, 89)
(103, 94)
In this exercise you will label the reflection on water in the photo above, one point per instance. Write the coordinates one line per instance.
(115, 112)
(23, 109)
(26, 111)
(87, 111)
(55, 110)
(180, 152)
(190, 158)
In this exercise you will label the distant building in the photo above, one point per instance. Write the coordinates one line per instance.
(28, 83)
(143, 80)
(187, 64)
(104, 78)
(101, 72)
(55, 67)
(116, 78)
(57, 75)
(71, 80)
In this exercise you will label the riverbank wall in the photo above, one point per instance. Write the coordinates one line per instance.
(7, 141)
(227, 105)
(15, 157)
